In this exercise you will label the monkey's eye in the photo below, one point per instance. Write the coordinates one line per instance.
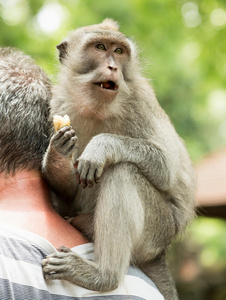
(119, 50)
(101, 47)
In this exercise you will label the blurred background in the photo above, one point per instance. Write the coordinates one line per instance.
(182, 47)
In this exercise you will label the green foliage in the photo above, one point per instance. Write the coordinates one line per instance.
(182, 48)
(181, 44)
(199, 261)
(210, 235)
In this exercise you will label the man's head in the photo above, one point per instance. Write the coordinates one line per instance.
(25, 92)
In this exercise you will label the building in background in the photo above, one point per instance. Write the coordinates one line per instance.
(211, 189)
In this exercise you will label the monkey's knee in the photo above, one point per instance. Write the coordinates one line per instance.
(122, 173)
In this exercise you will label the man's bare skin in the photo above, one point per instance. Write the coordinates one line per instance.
(25, 203)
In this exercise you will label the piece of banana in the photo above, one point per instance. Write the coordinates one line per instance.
(60, 121)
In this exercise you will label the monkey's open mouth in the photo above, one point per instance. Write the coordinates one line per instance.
(108, 85)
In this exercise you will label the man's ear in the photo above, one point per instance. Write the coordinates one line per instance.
(62, 51)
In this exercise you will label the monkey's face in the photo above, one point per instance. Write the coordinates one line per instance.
(106, 59)
(98, 64)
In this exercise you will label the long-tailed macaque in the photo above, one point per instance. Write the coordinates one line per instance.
(140, 178)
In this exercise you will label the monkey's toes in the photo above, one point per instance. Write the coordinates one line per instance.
(64, 249)
(51, 272)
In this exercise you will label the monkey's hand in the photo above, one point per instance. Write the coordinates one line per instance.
(64, 141)
(57, 164)
(90, 165)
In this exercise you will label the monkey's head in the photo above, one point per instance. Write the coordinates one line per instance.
(98, 60)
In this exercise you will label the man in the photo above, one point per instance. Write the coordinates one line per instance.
(30, 229)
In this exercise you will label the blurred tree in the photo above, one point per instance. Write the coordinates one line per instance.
(199, 261)
(182, 47)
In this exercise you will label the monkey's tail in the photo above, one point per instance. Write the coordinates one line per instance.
(158, 271)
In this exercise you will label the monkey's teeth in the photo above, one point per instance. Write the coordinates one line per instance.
(108, 85)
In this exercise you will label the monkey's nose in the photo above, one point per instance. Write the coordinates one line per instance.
(112, 68)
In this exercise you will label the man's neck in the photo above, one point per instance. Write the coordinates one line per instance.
(25, 203)
(24, 191)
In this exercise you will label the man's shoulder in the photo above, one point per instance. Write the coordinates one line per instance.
(21, 255)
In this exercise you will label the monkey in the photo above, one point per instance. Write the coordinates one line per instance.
(140, 178)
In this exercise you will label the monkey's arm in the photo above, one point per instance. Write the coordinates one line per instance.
(155, 161)
(57, 166)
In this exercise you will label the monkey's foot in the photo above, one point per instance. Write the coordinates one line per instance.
(67, 265)
(60, 265)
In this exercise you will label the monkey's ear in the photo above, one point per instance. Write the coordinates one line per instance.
(63, 51)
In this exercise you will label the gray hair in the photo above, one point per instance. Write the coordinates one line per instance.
(25, 93)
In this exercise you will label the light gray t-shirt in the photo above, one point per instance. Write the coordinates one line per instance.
(21, 277)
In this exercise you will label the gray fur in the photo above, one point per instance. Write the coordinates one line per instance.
(126, 142)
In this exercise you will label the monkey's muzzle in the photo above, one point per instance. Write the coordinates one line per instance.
(108, 85)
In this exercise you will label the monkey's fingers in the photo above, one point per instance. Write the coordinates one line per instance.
(56, 258)
(56, 271)
(60, 265)
(71, 145)
(64, 249)
(76, 164)
(52, 261)
(84, 183)
(80, 181)
(54, 276)
(98, 174)
(86, 173)
(82, 171)
(78, 178)
(93, 175)
(57, 135)
(63, 135)
(60, 137)
(65, 141)
(77, 174)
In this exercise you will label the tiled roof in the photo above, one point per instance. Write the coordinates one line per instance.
(211, 175)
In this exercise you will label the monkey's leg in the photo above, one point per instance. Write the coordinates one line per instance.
(84, 223)
(158, 271)
(119, 221)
